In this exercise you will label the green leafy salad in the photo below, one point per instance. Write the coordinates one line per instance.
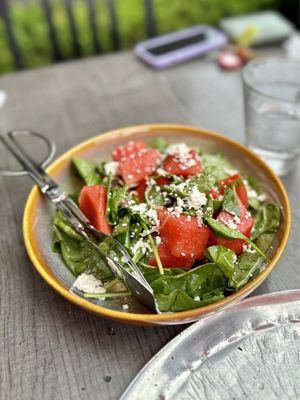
(195, 226)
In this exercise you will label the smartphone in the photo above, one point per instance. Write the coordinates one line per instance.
(177, 47)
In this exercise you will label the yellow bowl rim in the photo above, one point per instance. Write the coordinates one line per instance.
(189, 315)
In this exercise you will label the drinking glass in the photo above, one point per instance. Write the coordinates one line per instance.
(272, 111)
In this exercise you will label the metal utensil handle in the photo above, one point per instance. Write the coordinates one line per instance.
(35, 170)
(135, 279)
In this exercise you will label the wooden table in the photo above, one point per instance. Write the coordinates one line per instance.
(49, 348)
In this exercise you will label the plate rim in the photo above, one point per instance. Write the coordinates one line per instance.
(137, 318)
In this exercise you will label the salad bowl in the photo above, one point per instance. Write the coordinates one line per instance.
(38, 216)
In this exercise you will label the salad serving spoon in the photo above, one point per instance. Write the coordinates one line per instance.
(126, 270)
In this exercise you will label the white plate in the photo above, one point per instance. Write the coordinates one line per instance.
(249, 351)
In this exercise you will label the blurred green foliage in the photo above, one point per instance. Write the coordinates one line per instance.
(31, 29)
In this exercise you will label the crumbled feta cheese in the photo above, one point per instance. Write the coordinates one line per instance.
(182, 155)
(142, 245)
(230, 223)
(125, 307)
(231, 171)
(89, 284)
(161, 172)
(158, 240)
(237, 219)
(180, 202)
(151, 182)
(197, 298)
(139, 208)
(234, 258)
(248, 215)
(177, 211)
(111, 168)
(196, 199)
(180, 186)
(262, 197)
(177, 148)
(152, 215)
(252, 193)
(247, 248)
(199, 215)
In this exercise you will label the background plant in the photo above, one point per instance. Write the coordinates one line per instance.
(31, 29)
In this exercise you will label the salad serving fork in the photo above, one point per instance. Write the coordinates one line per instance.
(127, 271)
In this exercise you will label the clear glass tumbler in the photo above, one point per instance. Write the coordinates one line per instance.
(272, 111)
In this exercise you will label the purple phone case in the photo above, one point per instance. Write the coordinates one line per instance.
(215, 40)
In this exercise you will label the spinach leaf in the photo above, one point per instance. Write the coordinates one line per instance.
(174, 191)
(87, 170)
(122, 230)
(228, 233)
(122, 226)
(254, 203)
(252, 185)
(204, 181)
(154, 197)
(267, 220)
(230, 202)
(198, 284)
(61, 223)
(209, 207)
(152, 273)
(81, 256)
(223, 257)
(159, 143)
(248, 264)
(135, 231)
(219, 163)
(115, 197)
(178, 300)
(109, 187)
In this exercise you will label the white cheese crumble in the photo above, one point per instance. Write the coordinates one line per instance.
(177, 148)
(111, 168)
(230, 223)
(161, 172)
(89, 284)
(237, 219)
(125, 307)
(139, 208)
(152, 215)
(197, 298)
(234, 258)
(262, 197)
(248, 215)
(199, 215)
(158, 240)
(182, 155)
(181, 186)
(196, 199)
(252, 193)
(247, 248)
(142, 245)
(231, 171)
(180, 202)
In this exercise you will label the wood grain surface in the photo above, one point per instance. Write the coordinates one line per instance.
(49, 349)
